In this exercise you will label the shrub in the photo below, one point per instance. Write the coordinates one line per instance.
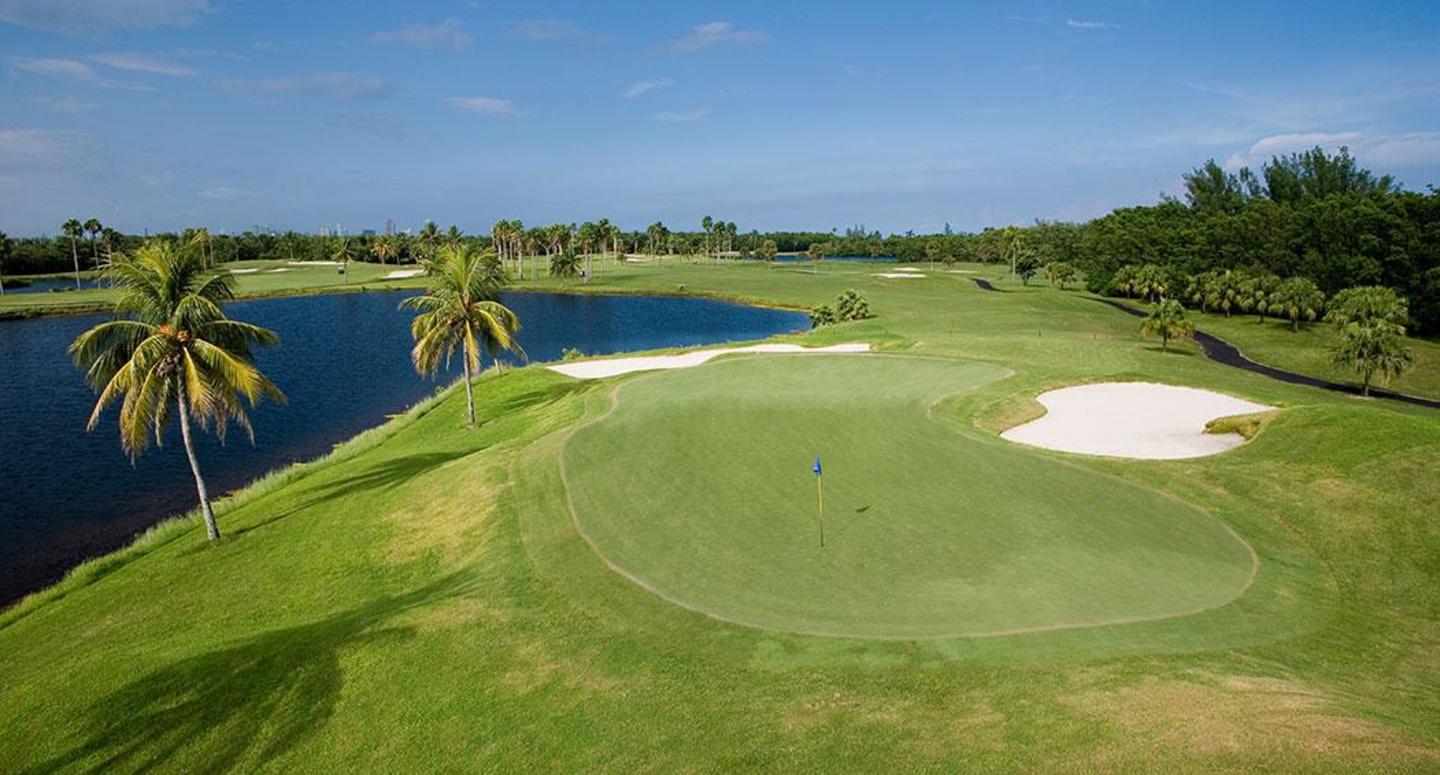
(571, 354)
(822, 315)
(851, 305)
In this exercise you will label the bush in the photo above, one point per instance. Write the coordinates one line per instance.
(822, 315)
(571, 354)
(851, 305)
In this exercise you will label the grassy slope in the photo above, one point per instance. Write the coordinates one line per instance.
(423, 601)
(698, 483)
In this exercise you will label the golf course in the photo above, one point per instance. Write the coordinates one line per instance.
(627, 572)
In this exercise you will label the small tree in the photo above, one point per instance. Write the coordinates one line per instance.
(1167, 321)
(767, 251)
(1371, 325)
(1026, 265)
(1059, 273)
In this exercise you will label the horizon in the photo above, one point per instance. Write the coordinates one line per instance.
(176, 113)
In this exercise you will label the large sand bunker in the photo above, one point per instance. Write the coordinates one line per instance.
(617, 366)
(1133, 419)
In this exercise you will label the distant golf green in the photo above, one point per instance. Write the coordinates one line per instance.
(698, 486)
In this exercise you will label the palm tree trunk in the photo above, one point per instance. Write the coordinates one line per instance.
(469, 389)
(212, 529)
(75, 255)
(1365, 388)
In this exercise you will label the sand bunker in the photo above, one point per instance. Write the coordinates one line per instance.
(401, 274)
(617, 366)
(906, 269)
(243, 271)
(1133, 419)
(314, 263)
(273, 271)
(899, 275)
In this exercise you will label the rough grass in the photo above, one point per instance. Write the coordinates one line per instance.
(1247, 425)
(425, 603)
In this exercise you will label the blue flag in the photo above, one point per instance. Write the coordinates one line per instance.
(816, 469)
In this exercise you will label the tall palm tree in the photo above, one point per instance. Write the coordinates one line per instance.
(171, 349)
(460, 310)
(5, 247)
(342, 253)
(93, 228)
(1297, 299)
(73, 230)
(428, 240)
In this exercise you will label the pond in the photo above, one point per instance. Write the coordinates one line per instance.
(344, 364)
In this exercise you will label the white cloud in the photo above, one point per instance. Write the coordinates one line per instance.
(55, 68)
(340, 85)
(142, 63)
(1090, 25)
(445, 36)
(221, 194)
(704, 37)
(640, 87)
(1381, 150)
(97, 16)
(489, 106)
(681, 116)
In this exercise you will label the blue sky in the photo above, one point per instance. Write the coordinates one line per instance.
(160, 114)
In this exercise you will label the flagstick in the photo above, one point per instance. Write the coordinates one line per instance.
(820, 504)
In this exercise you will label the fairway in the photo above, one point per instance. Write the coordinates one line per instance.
(697, 486)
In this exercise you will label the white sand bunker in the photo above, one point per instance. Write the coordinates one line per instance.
(961, 271)
(401, 274)
(906, 269)
(314, 263)
(273, 271)
(1133, 419)
(617, 366)
(899, 275)
(243, 271)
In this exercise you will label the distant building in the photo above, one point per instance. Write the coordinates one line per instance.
(389, 225)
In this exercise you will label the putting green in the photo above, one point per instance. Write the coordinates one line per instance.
(697, 485)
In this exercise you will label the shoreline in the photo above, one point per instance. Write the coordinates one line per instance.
(93, 568)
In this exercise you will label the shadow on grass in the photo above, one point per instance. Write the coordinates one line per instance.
(1172, 351)
(242, 705)
(845, 526)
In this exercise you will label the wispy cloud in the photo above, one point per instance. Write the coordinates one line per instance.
(448, 35)
(640, 87)
(340, 85)
(548, 30)
(221, 194)
(72, 69)
(489, 106)
(681, 116)
(66, 104)
(704, 37)
(99, 16)
(143, 63)
(1076, 24)
(36, 144)
(375, 126)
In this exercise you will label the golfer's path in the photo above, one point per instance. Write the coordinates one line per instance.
(1221, 351)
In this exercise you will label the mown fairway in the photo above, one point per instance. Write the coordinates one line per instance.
(423, 601)
(698, 486)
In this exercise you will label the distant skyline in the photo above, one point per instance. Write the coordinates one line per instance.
(163, 114)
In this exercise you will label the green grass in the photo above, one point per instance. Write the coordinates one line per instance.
(931, 533)
(422, 600)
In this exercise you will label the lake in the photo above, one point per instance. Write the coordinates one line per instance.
(344, 364)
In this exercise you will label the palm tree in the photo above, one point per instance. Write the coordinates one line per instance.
(565, 264)
(707, 223)
(93, 228)
(460, 310)
(172, 349)
(1372, 350)
(342, 253)
(5, 248)
(428, 240)
(1167, 321)
(385, 247)
(73, 230)
(1296, 298)
(1257, 293)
